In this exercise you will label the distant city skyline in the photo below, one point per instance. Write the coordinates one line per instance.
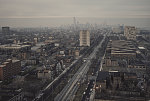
(32, 13)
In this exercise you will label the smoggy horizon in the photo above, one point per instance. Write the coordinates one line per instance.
(58, 21)
(34, 13)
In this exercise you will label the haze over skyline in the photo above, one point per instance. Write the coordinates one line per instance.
(55, 12)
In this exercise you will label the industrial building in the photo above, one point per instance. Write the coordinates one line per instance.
(121, 49)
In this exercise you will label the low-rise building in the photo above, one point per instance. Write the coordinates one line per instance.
(110, 62)
(138, 64)
(118, 86)
(14, 48)
(44, 74)
(11, 94)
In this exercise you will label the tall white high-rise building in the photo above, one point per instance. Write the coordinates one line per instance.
(84, 38)
(130, 32)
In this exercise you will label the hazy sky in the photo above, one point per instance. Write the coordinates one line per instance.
(73, 8)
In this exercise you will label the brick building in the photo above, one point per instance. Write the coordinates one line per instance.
(9, 68)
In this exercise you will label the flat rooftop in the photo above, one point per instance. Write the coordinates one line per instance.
(121, 47)
(13, 46)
